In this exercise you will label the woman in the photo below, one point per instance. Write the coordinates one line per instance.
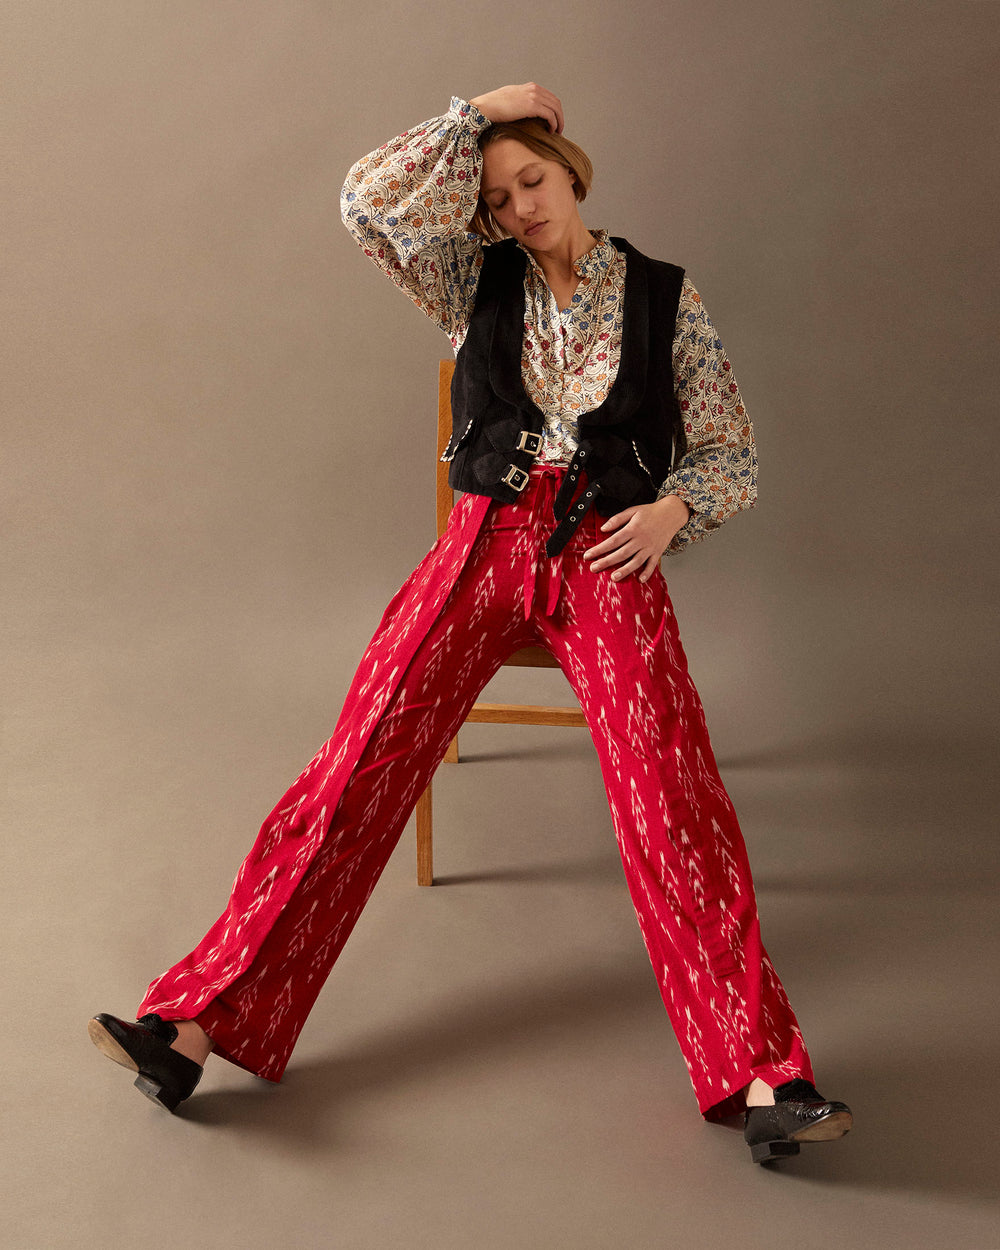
(596, 425)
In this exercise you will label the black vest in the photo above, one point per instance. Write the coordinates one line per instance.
(628, 444)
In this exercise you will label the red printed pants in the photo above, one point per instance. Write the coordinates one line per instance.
(485, 589)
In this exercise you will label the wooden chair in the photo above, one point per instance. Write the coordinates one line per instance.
(527, 657)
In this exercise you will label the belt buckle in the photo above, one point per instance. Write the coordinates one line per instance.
(515, 478)
(531, 443)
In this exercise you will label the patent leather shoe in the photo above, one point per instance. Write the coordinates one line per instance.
(800, 1113)
(164, 1075)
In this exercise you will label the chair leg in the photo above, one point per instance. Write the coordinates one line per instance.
(425, 844)
(451, 755)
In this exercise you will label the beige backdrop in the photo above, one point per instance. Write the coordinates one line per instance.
(218, 426)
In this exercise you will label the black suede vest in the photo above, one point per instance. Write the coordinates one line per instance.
(628, 444)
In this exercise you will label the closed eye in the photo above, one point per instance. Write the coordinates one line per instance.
(500, 203)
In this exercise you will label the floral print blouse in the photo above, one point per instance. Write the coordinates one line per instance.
(408, 204)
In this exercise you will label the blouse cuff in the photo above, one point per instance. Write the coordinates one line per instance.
(705, 516)
(462, 111)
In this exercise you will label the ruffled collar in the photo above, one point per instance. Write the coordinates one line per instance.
(591, 264)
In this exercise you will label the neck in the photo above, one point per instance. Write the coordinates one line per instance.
(557, 262)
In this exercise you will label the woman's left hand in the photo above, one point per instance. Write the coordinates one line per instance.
(639, 537)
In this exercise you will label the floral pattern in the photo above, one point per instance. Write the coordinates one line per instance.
(408, 205)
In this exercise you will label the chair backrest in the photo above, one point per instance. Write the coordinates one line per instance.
(445, 496)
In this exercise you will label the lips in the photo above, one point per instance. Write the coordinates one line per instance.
(535, 228)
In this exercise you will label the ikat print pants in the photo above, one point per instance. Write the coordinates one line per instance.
(484, 590)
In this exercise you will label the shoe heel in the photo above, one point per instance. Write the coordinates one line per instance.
(158, 1093)
(765, 1151)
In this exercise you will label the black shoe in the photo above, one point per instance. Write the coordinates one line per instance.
(800, 1113)
(165, 1075)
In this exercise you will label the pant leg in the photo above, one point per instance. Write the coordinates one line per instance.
(682, 848)
(255, 1019)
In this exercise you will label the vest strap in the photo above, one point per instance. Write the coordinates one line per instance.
(567, 488)
(515, 478)
(567, 527)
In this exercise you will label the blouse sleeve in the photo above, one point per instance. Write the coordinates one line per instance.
(408, 204)
(717, 475)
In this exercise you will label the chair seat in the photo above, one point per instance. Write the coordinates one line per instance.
(533, 657)
(525, 714)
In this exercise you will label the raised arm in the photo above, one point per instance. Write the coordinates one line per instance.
(409, 202)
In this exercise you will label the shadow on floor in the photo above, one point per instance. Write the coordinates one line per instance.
(453, 1031)
(919, 1126)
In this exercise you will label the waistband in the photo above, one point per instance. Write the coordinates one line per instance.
(535, 510)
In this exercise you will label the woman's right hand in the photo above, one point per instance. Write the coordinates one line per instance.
(510, 104)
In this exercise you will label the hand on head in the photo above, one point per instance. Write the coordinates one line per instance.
(510, 104)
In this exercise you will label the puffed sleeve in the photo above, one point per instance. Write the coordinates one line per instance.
(717, 476)
(408, 204)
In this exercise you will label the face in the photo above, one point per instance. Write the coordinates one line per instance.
(530, 197)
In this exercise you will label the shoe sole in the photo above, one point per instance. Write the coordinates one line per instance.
(835, 1125)
(107, 1045)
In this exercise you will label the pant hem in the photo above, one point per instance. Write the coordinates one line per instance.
(735, 1102)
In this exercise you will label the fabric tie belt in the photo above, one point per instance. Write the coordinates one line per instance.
(556, 485)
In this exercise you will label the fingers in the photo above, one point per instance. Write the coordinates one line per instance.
(646, 561)
(619, 519)
(639, 538)
(604, 556)
(639, 560)
(649, 568)
(602, 549)
(507, 104)
(557, 111)
(621, 545)
(631, 553)
(627, 570)
(550, 117)
(605, 549)
(543, 103)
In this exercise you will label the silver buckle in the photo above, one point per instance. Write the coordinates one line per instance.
(531, 443)
(515, 478)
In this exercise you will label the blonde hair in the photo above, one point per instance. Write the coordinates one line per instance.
(534, 134)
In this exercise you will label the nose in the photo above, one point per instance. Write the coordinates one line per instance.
(524, 205)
